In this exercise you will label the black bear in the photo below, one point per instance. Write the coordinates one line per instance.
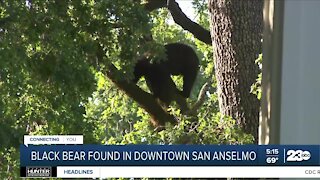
(181, 60)
(158, 80)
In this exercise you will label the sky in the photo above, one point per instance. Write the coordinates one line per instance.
(186, 6)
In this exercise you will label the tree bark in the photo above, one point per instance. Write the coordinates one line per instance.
(237, 30)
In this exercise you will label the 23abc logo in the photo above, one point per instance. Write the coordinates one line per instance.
(298, 155)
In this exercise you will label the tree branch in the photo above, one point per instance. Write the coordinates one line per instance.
(180, 18)
(146, 100)
(201, 98)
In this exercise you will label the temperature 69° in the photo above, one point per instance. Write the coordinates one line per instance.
(272, 160)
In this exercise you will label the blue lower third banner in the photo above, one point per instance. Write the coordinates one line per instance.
(101, 161)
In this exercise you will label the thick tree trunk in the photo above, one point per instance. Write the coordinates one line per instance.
(236, 29)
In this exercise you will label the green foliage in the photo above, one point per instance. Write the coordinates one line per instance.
(48, 64)
(207, 131)
(9, 166)
(201, 8)
(48, 60)
(113, 111)
(256, 87)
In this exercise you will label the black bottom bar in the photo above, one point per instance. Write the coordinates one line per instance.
(38, 171)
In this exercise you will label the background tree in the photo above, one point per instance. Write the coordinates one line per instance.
(236, 28)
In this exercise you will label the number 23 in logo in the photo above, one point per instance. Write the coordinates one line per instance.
(298, 155)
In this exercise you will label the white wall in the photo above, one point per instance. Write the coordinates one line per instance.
(300, 90)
